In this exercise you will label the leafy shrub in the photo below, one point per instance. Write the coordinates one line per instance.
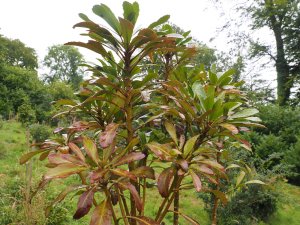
(249, 206)
(26, 114)
(39, 132)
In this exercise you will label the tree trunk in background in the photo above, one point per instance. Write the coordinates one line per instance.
(284, 83)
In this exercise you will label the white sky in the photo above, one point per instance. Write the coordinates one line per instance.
(42, 23)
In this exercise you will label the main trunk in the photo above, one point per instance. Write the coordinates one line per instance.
(284, 83)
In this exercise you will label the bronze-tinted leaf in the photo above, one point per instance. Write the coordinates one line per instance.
(213, 164)
(76, 150)
(164, 180)
(91, 149)
(144, 172)
(134, 193)
(230, 127)
(196, 180)
(133, 156)
(63, 170)
(183, 164)
(107, 136)
(102, 214)
(24, 158)
(84, 204)
(124, 173)
(220, 195)
(161, 151)
(62, 196)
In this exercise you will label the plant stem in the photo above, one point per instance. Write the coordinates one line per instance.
(111, 206)
(124, 216)
(176, 202)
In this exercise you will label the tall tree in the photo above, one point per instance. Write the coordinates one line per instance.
(282, 17)
(13, 52)
(63, 64)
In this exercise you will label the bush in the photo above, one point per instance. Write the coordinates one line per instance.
(39, 132)
(249, 206)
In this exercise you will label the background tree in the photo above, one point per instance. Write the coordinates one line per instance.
(63, 64)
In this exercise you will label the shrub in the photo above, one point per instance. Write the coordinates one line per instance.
(39, 132)
(249, 206)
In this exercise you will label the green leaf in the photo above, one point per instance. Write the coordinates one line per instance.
(240, 178)
(255, 182)
(189, 145)
(244, 113)
(131, 11)
(91, 149)
(198, 90)
(84, 17)
(172, 131)
(24, 158)
(126, 30)
(213, 78)
(159, 21)
(63, 170)
(105, 12)
(102, 214)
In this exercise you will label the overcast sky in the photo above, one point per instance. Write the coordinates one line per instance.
(42, 23)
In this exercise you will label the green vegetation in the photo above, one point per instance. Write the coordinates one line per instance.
(158, 134)
(12, 183)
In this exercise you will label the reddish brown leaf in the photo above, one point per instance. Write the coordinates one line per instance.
(161, 151)
(144, 172)
(76, 150)
(124, 173)
(102, 214)
(107, 136)
(164, 180)
(230, 127)
(134, 193)
(134, 156)
(203, 169)
(57, 158)
(196, 181)
(97, 175)
(63, 170)
(183, 164)
(84, 204)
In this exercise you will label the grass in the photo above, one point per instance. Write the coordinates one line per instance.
(13, 207)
